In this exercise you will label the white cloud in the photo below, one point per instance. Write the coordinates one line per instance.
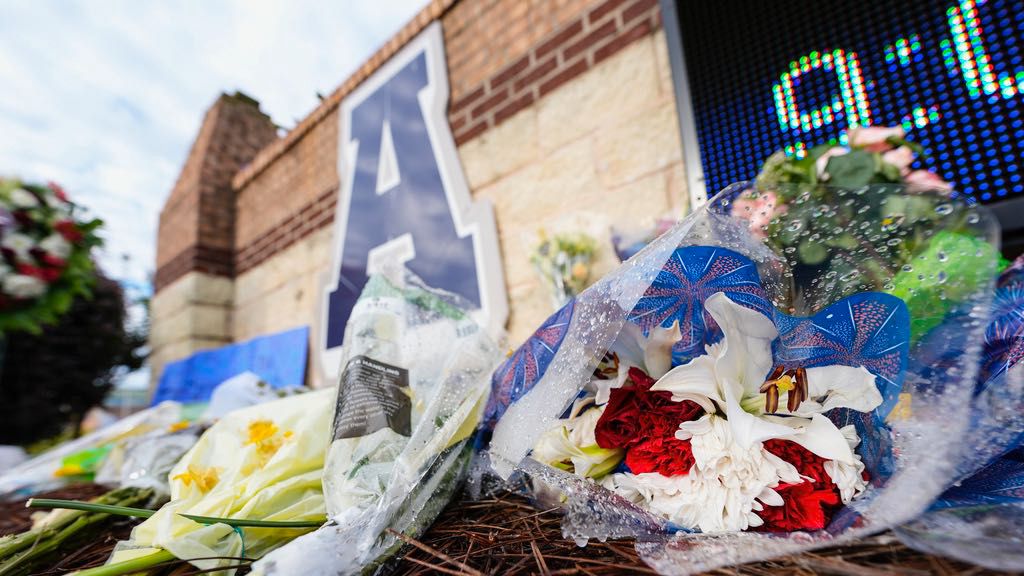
(106, 96)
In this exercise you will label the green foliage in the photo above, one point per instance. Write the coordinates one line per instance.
(51, 378)
(852, 226)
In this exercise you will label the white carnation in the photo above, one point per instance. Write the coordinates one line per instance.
(726, 487)
(56, 245)
(20, 244)
(848, 477)
(22, 286)
(21, 198)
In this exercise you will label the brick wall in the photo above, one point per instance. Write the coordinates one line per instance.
(595, 32)
(290, 198)
(197, 224)
(484, 36)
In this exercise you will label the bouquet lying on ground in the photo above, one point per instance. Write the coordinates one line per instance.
(721, 381)
(414, 382)
(44, 254)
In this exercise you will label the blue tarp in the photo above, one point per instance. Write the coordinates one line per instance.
(279, 359)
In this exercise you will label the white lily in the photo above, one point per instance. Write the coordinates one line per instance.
(570, 445)
(651, 353)
(727, 381)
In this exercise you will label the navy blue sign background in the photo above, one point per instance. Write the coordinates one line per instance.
(405, 198)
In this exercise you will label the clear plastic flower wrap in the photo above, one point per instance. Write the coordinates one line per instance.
(40, 473)
(415, 376)
(731, 394)
(980, 518)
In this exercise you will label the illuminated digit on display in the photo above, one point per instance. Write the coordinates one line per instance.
(975, 64)
(852, 99)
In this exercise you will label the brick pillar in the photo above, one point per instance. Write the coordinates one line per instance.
(195, 243)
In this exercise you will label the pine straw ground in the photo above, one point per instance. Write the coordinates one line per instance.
(505, 535)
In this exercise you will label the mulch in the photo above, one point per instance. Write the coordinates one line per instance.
(506, 535)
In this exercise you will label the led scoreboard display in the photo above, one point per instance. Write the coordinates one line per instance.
(771, 75)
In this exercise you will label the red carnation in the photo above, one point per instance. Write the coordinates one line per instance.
(69, 230)
(666, 455)
(808, 505)
(48, 275)
(619, 424)
(645, 423)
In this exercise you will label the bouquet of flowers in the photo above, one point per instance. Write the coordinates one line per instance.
(711, 385)
(564, 262)
(795, 208)
(44, 254)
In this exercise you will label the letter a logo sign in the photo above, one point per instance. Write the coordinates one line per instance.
(404, 198)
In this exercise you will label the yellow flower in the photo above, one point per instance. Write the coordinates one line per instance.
(204, 478)
(579, 271)
(260, 431)
(179, 425)
(264, 434)
(903, 409)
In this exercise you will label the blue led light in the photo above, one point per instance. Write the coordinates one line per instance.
(952, 71)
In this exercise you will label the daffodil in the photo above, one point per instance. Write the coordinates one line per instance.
(728, 382)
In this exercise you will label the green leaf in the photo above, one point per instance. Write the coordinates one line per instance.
(845, 241)
(851, 170)
(811, 252)
(242, 522)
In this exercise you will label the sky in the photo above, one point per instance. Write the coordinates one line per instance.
(105, 96)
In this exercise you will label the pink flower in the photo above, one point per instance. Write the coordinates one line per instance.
(58, 191)
(901, 158)
(822, 162)
(758, 209)
(920, 181)
(873, 138)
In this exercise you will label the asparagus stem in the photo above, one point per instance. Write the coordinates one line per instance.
(129, 566)
(89, 507)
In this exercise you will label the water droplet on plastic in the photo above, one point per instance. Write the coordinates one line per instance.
(944, 209)
(941, 276)
(973, 218)
(942, 256)
(907, 268)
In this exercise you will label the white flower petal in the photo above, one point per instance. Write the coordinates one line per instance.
(747, 429)
(843, 387)
(694, 381)
(746, 355)
(819, 435)
(770, 497)
(658, 353)
(629, 346)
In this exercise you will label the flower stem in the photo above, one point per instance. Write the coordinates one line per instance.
(89, 507)
(129, 566)
(242, 522)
